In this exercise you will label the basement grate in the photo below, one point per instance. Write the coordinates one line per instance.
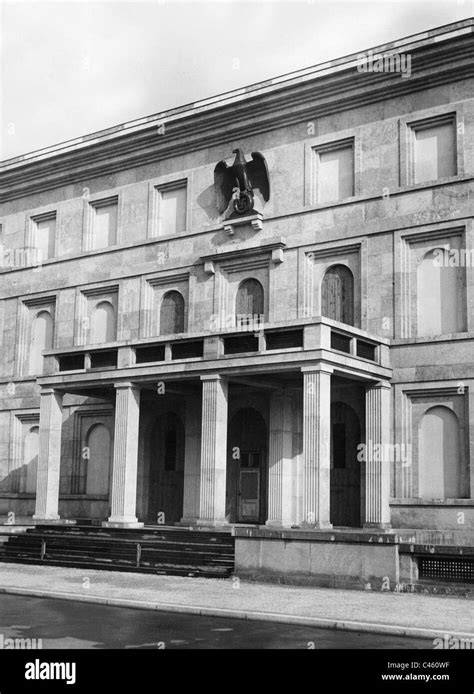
(446, 569)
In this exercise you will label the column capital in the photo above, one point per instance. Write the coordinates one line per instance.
(49, 390)
(125, 384)
(381, 384)
(318, 368)
(213, 377)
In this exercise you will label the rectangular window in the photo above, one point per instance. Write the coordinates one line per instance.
(172, 210)
(335, 172)
(434, 150)
(44, 235)
(104, 224)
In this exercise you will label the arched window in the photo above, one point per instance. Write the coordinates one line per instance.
(437, 297)
(30, 458)
(103, 327)
(172, 314)
(249, 303)
(337, 294)
(98, 460)
(41, 339)
(440, 456)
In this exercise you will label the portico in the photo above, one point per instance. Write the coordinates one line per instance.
(257, 444)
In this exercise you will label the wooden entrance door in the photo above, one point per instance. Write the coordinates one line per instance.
(248, 502)
(246, 480)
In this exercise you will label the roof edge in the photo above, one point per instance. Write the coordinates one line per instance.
(325, 69)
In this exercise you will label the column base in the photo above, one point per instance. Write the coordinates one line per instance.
(52, 520)
(278, 524)
(216, 523)
(186, 522)
(322, 525)
(377, 526)
(122, 524)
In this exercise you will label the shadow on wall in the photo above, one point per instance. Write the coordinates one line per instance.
(207, 201)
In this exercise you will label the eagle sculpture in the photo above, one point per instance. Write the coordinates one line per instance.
(235, 184)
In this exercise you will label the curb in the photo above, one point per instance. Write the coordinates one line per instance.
(317, 622)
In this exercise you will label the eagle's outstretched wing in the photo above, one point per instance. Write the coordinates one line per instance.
(257, 171)
(223, 185)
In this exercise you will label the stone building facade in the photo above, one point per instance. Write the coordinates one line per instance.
(307, 366)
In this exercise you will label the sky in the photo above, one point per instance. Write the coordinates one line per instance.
(70, 68)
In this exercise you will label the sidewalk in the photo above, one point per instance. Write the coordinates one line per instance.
(393, 613)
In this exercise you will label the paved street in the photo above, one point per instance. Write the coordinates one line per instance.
(66, 624)
(397, 611)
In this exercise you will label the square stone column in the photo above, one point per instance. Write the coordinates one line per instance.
(49, 455)
(213, 450)
(125, 461)
(377, 458)
(280, 461)
(316, 446)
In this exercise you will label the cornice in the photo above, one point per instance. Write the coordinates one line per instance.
(294, 101)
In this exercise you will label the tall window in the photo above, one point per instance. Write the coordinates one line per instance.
(434, 151)
(41, 339)
(98, 461)
(172, 210)
(438, 298)
(172, 314)
(337, 294)
(103, 325)
(104, 224)
(335, 172)
(440, 456)
(44, 235)
(249, 303)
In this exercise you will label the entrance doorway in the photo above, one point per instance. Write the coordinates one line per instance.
(247, 467)
(166, 455)
(345, 468)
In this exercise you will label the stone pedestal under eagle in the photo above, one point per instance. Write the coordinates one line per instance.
(235, 184)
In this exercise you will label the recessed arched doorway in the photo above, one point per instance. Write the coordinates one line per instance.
(166, 469)
(246, 489)
(345, 468)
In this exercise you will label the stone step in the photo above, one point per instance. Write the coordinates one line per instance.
(163, 551)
